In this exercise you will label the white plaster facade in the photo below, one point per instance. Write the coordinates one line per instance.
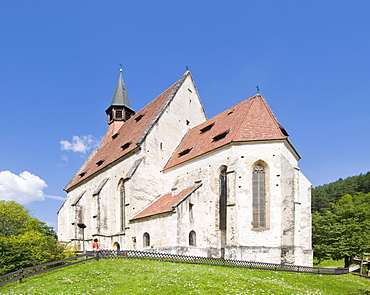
(108, 200)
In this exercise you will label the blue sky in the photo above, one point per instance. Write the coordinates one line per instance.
(59, 65)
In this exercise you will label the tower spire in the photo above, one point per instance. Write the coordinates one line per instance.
(120, 107)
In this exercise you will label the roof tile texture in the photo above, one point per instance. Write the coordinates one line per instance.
(110, 149)
(250, 120)
(164, 203)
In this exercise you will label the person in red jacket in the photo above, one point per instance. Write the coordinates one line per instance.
(95, 245)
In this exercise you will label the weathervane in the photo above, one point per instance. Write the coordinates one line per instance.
(258, 89)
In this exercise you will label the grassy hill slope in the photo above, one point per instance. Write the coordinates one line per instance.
(152, 277)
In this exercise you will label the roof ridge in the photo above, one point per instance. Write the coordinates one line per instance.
(120, 96)
(269, 110)
(245, 117)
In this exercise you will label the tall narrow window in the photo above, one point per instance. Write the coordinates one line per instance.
(223, 198)
(146, 240)
(192, 238)
(122, 207)
(191, 215)
(259, 198)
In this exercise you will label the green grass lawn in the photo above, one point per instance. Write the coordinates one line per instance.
(331, 263)
(152, 277)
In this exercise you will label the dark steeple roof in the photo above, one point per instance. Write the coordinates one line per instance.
(120, 96)
(120, 107)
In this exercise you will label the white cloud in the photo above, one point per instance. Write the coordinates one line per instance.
(80, 144)
(23, 188)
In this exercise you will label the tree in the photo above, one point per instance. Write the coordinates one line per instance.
(324, 196)
(24, 240)
(343, 232)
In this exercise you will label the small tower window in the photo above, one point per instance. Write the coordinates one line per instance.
(119, 114)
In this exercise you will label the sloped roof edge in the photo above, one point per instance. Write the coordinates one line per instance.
(162, 109)
(187, 195)
(168, 96)
(156, 208)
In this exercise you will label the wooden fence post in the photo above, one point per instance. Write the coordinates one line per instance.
(21, 275)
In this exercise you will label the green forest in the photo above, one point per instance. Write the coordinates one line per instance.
(324, 196)
(341, 219)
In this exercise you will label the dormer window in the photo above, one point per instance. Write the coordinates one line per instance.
(115, 135)
(126, 145)
(82, 174)
(138, 118)
(100, 162)
(283, 130)
(185, 152)
(221, 136)
(128, 116)
(229, 113)
(207, 128)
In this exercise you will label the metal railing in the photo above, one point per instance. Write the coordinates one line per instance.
(167, 257)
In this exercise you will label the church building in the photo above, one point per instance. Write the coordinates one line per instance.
(168, 179)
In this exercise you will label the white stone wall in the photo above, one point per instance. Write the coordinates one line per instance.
(184, 112)
(285, 185)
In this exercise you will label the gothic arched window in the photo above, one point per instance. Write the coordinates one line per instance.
(146, 240)
(192, 238)
(259, 197)
(223, 198)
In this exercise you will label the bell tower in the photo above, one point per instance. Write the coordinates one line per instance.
(120, 108)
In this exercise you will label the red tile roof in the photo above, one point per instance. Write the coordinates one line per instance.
(165, 203)
(131, 134)
(249, 120)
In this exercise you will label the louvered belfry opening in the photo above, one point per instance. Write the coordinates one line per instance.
(119, 113)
